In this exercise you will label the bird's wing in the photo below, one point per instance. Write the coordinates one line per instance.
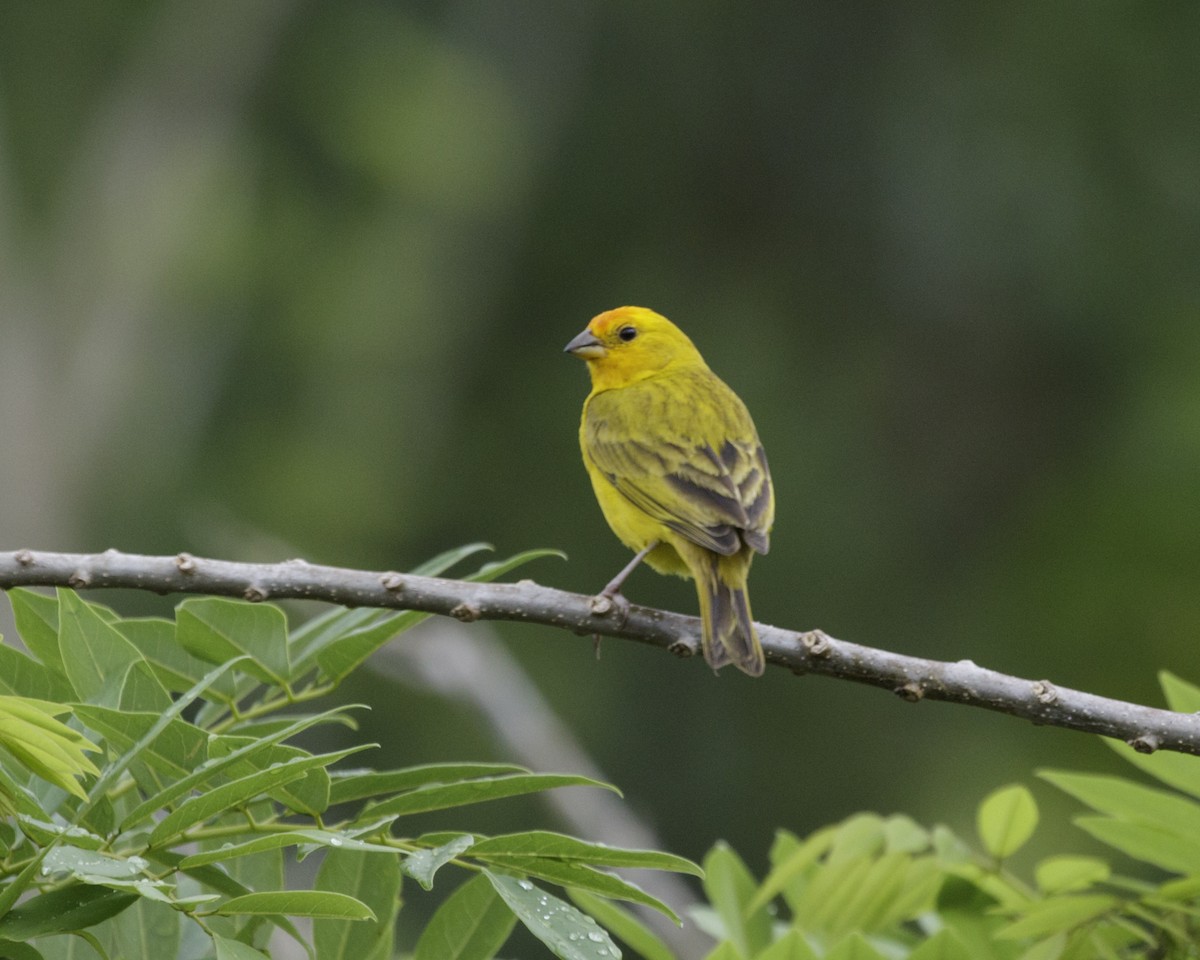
(688, 455)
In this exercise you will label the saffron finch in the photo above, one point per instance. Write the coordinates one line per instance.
(678, 470)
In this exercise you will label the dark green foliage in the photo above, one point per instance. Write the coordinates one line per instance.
(201, 791)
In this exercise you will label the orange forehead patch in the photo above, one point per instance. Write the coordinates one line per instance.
(604, 323)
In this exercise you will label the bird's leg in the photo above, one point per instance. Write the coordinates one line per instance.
(613, 589)
(611, 595)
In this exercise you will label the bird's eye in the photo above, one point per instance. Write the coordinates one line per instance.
(627, 333)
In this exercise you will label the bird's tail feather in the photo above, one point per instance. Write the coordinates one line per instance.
(728, 635)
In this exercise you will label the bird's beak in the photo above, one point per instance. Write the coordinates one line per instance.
(585, 346)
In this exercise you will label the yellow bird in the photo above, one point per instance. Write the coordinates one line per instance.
(678, 469)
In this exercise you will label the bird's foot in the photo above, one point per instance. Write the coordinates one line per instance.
(612, 602)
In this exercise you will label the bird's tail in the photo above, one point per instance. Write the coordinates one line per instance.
(728, 633)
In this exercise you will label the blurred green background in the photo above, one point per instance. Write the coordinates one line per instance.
(292, 278)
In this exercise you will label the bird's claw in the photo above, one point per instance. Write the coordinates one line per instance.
(606, 603)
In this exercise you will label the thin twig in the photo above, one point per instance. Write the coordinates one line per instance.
(1146, 729)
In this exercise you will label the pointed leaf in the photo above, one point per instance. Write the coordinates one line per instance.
(1060, 914)
(444, 561)
(730, 888)
(175, 668)
(854, 947)
(214, 767)
(96, 657)
(498, 568)
(1063, 874)
(1182, 697)
(350, 785)
(1127, 800)
(569, 934)
(569, 873)
(374, 880)
(791, 859)
(115, 769)
(74, 907)
(791, 946)
(23, 676)
(1006, 820)
(342, 656)
(236, 950)
(472, 924)
(274, 841)
(297, 903)
(943, 945)
(36, 616)
(439, 797)
(239, 792)
(216, 629)
(1148, 842)
(630, 930)
(421, 865)
(544, 844)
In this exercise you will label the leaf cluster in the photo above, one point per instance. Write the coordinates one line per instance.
(199, 793)
(886, 888)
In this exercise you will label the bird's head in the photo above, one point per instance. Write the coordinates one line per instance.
(630, 343)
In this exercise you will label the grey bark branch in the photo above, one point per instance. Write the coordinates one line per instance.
(1146, 729)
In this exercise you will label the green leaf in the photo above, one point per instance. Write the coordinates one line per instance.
(854, 947)
(444, 561)
(441, 796)
(115, 769)
(147, 929)
(74, 907)
(1063, 874)
(1127, 800)
(234, 950)
(175, 668)
(904, 835)
(943, 945)
(630, 930)
(1182, 697)
(569, 873)
(308, 794)
(570, 934)
(23, 676)
(292, 838)
(1006, 820)
(1146, 841)
(92, 866)
(217, 766)
(498, 568)
(472, 924)
(543, 844)
(140, 690)
(421, 865)
(239, 792)
(11, 950)
(1057, 915)
(350, 785)
(15, 888)
(177, 750)
(96, 657)
(44, 745)
(297, 903)
(724, 951)
(216, 629)
(730, 888)
(1176, 770)
(36, 616)
(344, 655)
(791, 860)
(374, 880)
(861, 835)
